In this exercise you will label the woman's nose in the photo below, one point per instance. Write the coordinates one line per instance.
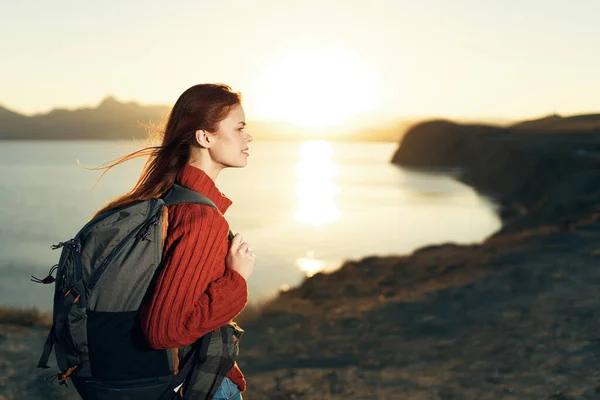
(249, 138)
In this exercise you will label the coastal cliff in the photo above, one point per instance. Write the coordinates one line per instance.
(538, 176)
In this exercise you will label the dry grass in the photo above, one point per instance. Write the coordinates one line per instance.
(25, 317)
(34, 317)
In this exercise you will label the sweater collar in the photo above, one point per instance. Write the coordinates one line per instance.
(196, 179)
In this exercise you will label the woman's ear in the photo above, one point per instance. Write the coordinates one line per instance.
(203, 139)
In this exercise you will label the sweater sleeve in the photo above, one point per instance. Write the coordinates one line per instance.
(187, 301)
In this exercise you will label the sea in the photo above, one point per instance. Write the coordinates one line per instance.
(304, 207)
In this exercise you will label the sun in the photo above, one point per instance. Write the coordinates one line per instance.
(316, 88)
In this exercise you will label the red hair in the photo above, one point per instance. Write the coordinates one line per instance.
(199, 107)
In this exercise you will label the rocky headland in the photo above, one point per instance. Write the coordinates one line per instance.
(514, 317)
(537, 174)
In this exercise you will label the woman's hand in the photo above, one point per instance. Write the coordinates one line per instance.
(240, 257)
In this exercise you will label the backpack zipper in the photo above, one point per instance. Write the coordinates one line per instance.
(78, 238)
(95, 277)
(144, 233)
(72, 246)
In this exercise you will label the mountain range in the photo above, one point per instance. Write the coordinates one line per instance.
(112, 119)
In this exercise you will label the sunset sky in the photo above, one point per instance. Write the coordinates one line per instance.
(313, 62)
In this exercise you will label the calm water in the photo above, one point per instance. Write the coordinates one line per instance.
(303, 207)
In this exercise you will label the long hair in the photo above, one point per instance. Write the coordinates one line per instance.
(199, 107)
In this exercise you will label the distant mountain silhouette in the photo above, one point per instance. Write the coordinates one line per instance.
(556, 122)
(115, 120)
(111, 119)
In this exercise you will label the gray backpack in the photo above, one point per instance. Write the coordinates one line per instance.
(102, 278)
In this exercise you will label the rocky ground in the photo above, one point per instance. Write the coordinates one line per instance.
(515, 317)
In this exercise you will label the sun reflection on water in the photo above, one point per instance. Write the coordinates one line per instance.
(316, 191)
(315, 187)
(309, 265)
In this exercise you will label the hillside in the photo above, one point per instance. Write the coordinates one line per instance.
(514, 317)
(557, 123)
(549, 176)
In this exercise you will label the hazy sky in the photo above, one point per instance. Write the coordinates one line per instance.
(455, 58)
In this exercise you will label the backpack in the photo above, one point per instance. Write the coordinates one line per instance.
(102, 278)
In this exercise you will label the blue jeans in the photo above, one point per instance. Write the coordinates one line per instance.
(228, 390)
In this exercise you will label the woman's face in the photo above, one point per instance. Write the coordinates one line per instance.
(230, 142)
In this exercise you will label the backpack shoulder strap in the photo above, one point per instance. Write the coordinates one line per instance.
(179, 194)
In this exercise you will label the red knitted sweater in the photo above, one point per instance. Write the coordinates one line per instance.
(195, 293)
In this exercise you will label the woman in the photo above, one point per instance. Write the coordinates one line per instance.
(202, 285)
